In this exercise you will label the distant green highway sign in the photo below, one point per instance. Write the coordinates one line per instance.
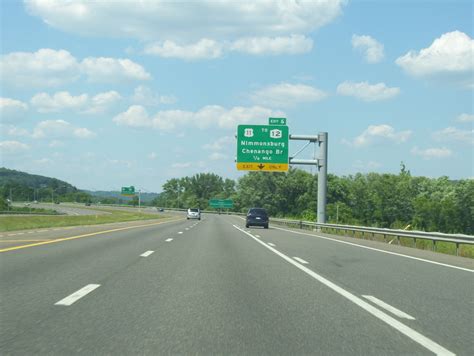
(221, 203)
(128, 191)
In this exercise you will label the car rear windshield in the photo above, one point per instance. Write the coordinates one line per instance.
(257, 211)
(194, 210)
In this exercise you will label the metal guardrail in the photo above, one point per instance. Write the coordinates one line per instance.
(435, 237)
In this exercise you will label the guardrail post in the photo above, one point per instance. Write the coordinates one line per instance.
(301, 224)
(398, 240)
(434, 245)
(457, 248)
(414, 242)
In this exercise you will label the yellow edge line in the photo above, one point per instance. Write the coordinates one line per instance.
(85, 235)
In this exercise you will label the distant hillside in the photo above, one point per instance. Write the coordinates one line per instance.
(144, 197)
(34, 181)
(22, 186)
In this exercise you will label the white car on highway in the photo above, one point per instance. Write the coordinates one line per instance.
(194, 213)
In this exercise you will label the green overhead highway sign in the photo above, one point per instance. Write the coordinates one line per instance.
(262, 148)
(221, 203)
(128, 191)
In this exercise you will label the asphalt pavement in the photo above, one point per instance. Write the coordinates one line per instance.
(214, 287)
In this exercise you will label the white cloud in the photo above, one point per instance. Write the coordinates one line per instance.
(203, 49)
(199, 29)
(182, 165)
(294, 44)
(210, 49)
(43, 68)
(82, 132)
(11, 110)
(112, 70)
(102, 102)
(220, 144)
(465, 118)
(372, 49)
(50, 129)
(215, 156)
(287, 95)
(143, 95)
(452, 134)
(13, 147)
(376, 134)
(170, 20)
(60, 101)
(56, 143)
(430, 153)
(208, 116)
(367, 92)
(51, 68)
(11, 130)
(135, 116)
(451, 54)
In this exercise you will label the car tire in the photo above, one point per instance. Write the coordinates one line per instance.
(266, 226)
(247, 226)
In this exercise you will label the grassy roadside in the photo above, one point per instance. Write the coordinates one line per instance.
(448, 248)
(12, 223)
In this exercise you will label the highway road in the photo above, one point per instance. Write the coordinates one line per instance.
(68, 209)
(214, 287)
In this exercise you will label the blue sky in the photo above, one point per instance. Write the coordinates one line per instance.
(108, 94)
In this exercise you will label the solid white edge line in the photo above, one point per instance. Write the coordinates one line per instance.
(300, 260)
(378, 250)
(412, 334)
(272, 245)
(147, 253)
(74, 297)
(168, 240)
(180, 232)
(388, 307)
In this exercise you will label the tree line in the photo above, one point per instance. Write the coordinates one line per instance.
(373, 199)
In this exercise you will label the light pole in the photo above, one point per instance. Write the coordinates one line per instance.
(178, 194)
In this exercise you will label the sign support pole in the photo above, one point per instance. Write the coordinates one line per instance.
(322, 176)
(322, 164)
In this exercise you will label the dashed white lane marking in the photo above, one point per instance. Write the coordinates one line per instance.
(74, 297)
(146, 254)
(270, 244)
(20, 233)
(180, 232)
(187, 228)
(257, 236)
(388, 307)
(394, 323)
(31, 232)
(376, 249)
(168, 240)
(300, 260)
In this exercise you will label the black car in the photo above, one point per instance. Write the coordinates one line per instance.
(257, 217)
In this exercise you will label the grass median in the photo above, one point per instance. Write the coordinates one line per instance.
(12, 223)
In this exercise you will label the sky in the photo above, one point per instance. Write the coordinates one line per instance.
(105, 94)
